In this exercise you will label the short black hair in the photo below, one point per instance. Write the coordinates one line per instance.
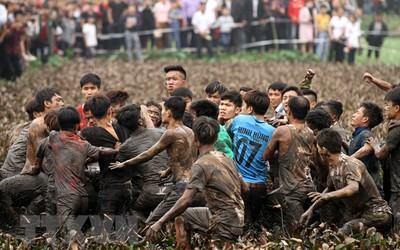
(373, 112)
(68, 118)
(335, 107)
(258, 100)
(99, 106)
(232, 96)
(318, 119)
(188, 119)
(393, 96)
(176, 105)
(245, 89)
(154, 103)
(205, 108)
(45, 94)
(90, 78)
(311, 93)
(176, 68)
(183, 92)
(280, 86)
(206, 130)
(117, 96)
(330, 139)
(31, 107)
(292, 88)
(299, 107)
(128, 117)
(18, 12)
(50, 119)
(216, 86)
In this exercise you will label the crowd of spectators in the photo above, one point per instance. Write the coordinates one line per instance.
(35, 29)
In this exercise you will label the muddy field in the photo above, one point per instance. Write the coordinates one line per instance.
(144, 82)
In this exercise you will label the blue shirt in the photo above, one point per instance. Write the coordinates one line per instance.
(250, 138)
(360, 136)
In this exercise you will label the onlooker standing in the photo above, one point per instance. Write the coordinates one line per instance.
(353, 36)
(294, 8)
(115, 13)
(89, 37)
(161, 9)
(323, 19)
(175, 18)
(13, 45)
(225, 23)
(307, 18)
(255, 12)
(202, 26)
(189, 7)
(337, 31)
(375, 38)
(68, 26)
(131, 21)
(238, 34)
(148, 23)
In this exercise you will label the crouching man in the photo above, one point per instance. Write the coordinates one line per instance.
(349, 182)
(216, 174)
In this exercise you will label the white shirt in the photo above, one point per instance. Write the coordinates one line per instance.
(89, 32)
(353, 33)
(201, 22)
(211, 7)
(338, 26)
(225, 23)
(255, 8)
(3, 15)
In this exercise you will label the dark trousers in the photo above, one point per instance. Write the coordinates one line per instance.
(253, 204)
(351, 57)
(12, 67)
(337, 53)
(115, 198)
(200, 43)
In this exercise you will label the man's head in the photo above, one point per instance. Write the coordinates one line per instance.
(68, 119)
(244, 90)
(154, 110)
(255, 103)
(174, 108)
(100, 106)
(298, 108)
(88, 114)
(334, 109)
(32, 109)
(90, 85)
(175, 77)
(204, 108)
(368, 114)
(230, 105)
(275, 93)
(205, 131)
(214, 90)
(392, 104)
(186, 94)
(317, 119)
(129, 117)
(329, 144)
(51, 122)
(312, 97)
(287, 93)
(118, 99)
(49, 99)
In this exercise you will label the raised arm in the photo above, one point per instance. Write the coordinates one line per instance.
(380, 152)
(369, 78)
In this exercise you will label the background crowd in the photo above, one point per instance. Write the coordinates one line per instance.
(37, 28)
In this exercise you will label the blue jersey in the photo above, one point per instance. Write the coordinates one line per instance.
(250, 138)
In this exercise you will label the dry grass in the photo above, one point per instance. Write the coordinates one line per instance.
(145, 82)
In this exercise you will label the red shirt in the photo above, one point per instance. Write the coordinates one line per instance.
(84, 123)
(11, 43)
(294, 10)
